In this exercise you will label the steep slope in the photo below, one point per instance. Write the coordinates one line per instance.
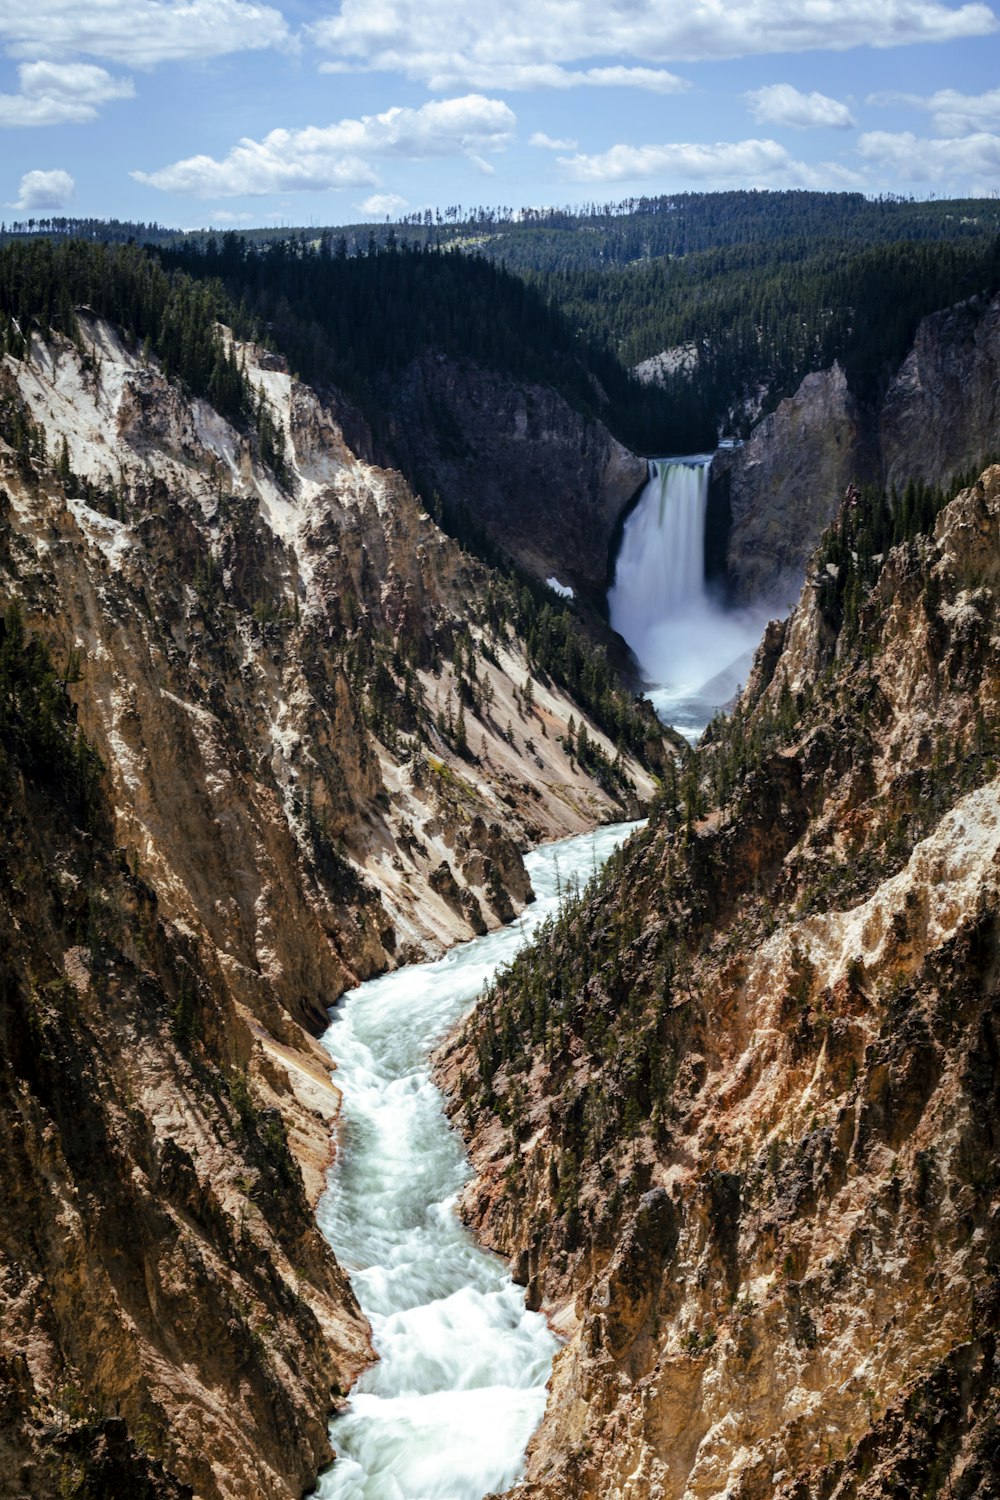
(735, 1116)
(325, 748)
(167, 1305)
(545, 483)
(939, 417)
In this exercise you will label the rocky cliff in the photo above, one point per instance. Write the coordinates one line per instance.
(939, 417)
(784, 484)
(324, 749)
(544, 482)
(941, 414)
(735, 1116)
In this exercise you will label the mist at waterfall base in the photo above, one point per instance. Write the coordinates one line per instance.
(693, 651)
(447, 1411)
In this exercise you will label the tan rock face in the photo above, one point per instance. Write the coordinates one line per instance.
(170, 1316)
(269, 667)
(941, 413)
(735, 1118)
(785, 483)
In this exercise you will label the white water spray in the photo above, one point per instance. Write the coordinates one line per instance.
(693, 652)
(459, 1388)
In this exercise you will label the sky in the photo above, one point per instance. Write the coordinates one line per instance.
(237, 112)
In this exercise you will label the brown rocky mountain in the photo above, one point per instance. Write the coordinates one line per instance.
(735, 1117)
(939, 417)
(324, 751)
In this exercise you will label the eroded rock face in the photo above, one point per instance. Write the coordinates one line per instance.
(546, 483)
(941, 414)
(786, 483)
(172, 1321)
(737, 1120)
(939, 418)
(253, 655)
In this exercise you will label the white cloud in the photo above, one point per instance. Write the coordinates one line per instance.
(905, 157)
(383, 206)
(44, 190)
(450, 43)
(656, 80)
(954, 113)
(334, 156)
(749, 163)
(783, 104)
(549, 143)
(451, 73)
(61, 94)
(139, 32)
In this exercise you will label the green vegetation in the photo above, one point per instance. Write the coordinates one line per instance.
(356, 321)
(598, 236)
(763, 316)
(44, 284)
(38, 732)
(631, 1040)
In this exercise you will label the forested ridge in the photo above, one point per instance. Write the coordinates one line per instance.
(611, 233)
(389, 307)
(355, 321)
(759, 318)
(764, 287)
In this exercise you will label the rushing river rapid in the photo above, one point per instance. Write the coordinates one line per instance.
(447, 1411)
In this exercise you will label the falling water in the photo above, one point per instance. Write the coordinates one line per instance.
(693, 652)
(459, 1387)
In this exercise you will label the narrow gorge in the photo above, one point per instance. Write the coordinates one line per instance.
(460, 1382)
(735, 1116)
(466, 1028)
(267, 732)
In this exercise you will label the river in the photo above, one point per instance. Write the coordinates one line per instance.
(447, 1411)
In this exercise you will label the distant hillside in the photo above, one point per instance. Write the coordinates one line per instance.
(767, 286)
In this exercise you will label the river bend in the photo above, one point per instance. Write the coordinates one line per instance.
(447, 1411)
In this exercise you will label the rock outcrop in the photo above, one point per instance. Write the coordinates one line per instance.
(785, 483)
(544, 482)
(306, 700)
(939, 417)
(941, 414)
(735, 1118)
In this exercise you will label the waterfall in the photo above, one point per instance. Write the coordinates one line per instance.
(693, 651)
(661, 564)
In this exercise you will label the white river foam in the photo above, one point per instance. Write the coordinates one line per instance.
(447, 1411)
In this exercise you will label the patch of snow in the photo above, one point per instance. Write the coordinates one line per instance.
(112, 537)
(562, 589)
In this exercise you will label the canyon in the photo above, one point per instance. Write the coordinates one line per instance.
(323, 750)
(271, 732)
(734, 1120)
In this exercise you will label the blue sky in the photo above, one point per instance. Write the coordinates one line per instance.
(230, 112)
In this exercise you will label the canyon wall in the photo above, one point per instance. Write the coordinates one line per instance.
(939, 417)
(324, 750)
(735, 1118)
(544, 482)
